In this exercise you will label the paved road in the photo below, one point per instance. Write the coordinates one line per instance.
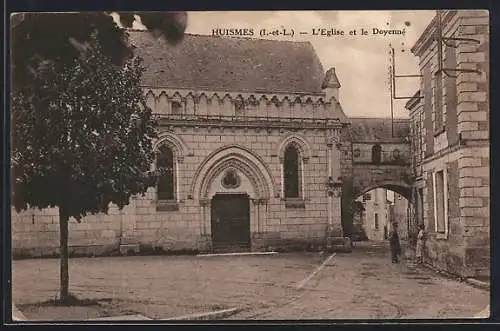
(362, 284)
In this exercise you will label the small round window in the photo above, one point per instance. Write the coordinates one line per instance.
(396, 154)
(357, 152)
(231, 179)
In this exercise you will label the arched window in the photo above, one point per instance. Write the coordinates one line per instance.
(166, 180)
(376, 154)
(291, 165)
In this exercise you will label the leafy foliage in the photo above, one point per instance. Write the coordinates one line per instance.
(82, 136)
(170, 25)
(82, 132)
(38, 38)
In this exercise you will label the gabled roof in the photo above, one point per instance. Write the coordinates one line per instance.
(229, 64)
(372, 129)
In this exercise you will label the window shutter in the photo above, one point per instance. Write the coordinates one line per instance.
(428, 125)
(451, 98)
(438, 101)
(447, 198)
(433, 200)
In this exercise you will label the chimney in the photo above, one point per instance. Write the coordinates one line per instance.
(331, 85)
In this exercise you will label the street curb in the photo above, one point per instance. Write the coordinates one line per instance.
(237, 254)
(471, 281)
(485, 313)
(443, 272)
(478, 283)
(17, 315)
(137, 317)
(212, 315)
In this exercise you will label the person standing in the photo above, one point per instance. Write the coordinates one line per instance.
(394, 243)
(420, 244)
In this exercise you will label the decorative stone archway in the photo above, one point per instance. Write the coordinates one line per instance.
(394, 177)
(254, 176)
(399, 187)
(233, 157)
(173, 141)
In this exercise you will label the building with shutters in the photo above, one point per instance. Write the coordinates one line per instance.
(450, 142)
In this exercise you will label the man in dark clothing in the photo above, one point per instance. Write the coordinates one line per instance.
(394, 243)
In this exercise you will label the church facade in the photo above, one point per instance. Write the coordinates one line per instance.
(253, 146)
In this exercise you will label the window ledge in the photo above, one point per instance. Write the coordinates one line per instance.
(167, 205)
(296, 203)
(441, 236)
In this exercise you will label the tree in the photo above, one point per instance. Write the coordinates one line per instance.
(82, 133)
(82, 139)
(38, 38)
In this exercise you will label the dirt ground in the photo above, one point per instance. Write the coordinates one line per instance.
(358, 285)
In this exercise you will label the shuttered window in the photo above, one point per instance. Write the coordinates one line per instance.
(440, 193)
(438, 101)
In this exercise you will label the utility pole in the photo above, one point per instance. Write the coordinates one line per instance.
(393, 89)
(393, 76)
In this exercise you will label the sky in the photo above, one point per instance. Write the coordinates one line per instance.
(361, 62)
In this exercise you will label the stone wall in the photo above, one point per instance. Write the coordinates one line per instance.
(473, 126)
(272, 216)
(184, 224)
(362, 152)
(461, 146)
(36, 232)
(370, 176)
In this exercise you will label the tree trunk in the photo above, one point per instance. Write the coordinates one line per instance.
(63, 254)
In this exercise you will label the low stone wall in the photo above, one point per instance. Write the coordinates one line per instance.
(260, 242)
(73, 251)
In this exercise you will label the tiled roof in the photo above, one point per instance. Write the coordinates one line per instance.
(371, 129)
(229, 64)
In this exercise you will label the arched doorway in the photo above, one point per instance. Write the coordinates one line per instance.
(230, 222)
(377, 207)
(226, 181)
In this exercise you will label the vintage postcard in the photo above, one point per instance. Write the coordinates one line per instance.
(261, 165)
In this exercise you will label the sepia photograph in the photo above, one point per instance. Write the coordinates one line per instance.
(250, 165)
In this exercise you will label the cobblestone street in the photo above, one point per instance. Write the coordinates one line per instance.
(357, 285)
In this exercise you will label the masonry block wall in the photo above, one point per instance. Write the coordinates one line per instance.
(348, 194)
(455, 120)
(186, 226)
(36, 232)
(391, 152)
(194, 143)
(473, 119)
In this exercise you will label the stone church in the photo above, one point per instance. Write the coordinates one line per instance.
(253, 144)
